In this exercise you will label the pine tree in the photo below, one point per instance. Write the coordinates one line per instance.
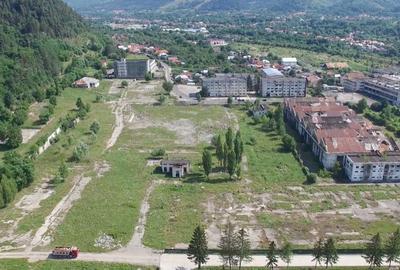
(229, 246)
(79, 103)
(287, 253)
(63, 171)
(392, 248)
(207, 162)
(231, 163)
(220, 150)
(229, 138)
(198, 251)
(243, 247)
(330, 253)
(317, 252)
(272, 257)
(374, 251)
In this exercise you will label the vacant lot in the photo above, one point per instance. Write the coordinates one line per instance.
(309, 59)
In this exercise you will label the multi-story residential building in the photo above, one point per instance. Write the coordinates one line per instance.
(134, 69)
(275, 84)
(337, 134)
(226, 85)
(385, 87)
(352, 81)
(373, 167)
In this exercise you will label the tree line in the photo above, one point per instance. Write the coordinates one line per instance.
(234, 249)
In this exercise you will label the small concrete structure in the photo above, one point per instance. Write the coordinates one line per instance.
(87, 82)
(176, 168)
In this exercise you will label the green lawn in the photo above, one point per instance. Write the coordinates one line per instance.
(267, 163)
(21, 264)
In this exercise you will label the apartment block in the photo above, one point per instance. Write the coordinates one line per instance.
(226, 85)
(275, 84)
(134, 69)
(384, 87)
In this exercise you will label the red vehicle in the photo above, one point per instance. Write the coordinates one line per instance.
(65, 252)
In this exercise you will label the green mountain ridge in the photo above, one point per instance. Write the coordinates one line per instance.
(337, 7)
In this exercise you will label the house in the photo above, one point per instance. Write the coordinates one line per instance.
(289, 61)
(87, 82)
(217, 42)
(176, 168)
(336, 65)
(174, 60)
(313, 81)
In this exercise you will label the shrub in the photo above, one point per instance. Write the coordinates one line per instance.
(159, 152)
(80, 152)
(311, 178)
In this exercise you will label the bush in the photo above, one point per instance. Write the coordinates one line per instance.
(323, 173)
(311, 178)
(159, 152)
(80, 152)
(95, 127)
(288, 142)
(305, 170)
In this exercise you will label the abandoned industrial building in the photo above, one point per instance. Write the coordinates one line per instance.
(337, 134)
(176, 168)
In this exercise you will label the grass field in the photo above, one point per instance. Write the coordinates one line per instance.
(20, 264)
(47, 163)
(308, 58)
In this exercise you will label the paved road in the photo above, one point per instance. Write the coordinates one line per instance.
(179, 261)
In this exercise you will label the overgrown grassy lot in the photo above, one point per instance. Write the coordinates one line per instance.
(21, 264)
(47, 164)
(310, 59)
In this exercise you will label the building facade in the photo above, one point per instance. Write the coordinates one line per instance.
(373, 167)
(226, 85)
(337, 134)
(176, 168)
(275, 84)
(87, 82)
(352, 81)
(385, 87)
(134, 69)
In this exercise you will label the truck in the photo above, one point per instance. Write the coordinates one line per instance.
(65, 252)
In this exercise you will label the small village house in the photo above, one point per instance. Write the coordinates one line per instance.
(87, 82)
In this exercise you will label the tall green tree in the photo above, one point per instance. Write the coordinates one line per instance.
(231, 166)
(198, 250)
(228, 245)
(229, 138)
(286, 253)
(207, 162)
(2, 204)
(230, 102)
(219, 149)
(330, 253)
(318, 252)
(392, 248)
(226, 153)
(243, 247)
(374, 252)
(238, 143)
(272, 256)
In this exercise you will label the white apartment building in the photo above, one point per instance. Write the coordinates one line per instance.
(385, 87)
(373, 167)
(275, 84)
(226, 85)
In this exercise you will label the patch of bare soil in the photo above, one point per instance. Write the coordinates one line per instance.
(28, 134)
(30, 202)
(106, 242)
(101, 167)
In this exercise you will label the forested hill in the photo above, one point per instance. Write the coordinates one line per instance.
(32, 52)
(338, 7)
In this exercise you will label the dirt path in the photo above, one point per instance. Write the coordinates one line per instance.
(58, 214)
(137, 238)
(118, 110)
